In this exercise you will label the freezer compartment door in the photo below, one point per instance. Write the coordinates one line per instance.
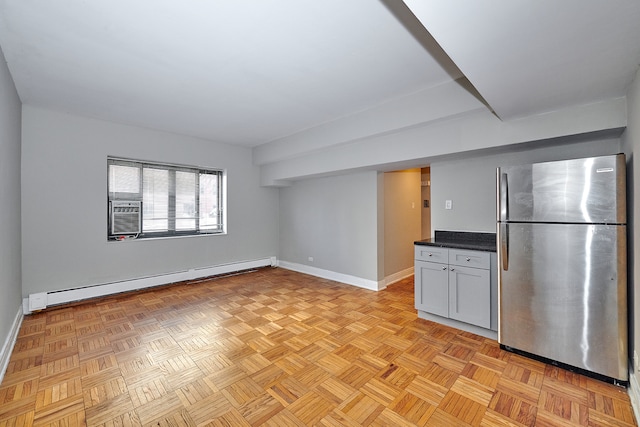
(563, 294)
(588, 190)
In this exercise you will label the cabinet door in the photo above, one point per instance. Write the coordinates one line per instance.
(470, 295)
(432, 288)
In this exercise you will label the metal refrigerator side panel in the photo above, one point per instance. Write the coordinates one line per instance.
(562, 294)
(591, 190)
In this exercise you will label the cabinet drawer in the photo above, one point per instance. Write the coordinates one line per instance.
(431, 253)
(466, 258)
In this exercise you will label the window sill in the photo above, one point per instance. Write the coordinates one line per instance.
(180, 236)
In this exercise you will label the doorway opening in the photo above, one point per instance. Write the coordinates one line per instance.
(425, 193)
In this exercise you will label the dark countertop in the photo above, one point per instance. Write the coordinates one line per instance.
(462, 240)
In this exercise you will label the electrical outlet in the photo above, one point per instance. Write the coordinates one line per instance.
(310, 259)
(447, 204)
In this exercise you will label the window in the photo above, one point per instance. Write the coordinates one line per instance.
(159, 200)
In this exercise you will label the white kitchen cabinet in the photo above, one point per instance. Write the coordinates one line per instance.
(469, 295)
(431, 273)
(454, 283)
(432, 287)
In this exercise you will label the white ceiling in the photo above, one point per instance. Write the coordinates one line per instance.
(250, 72)
(530, 56)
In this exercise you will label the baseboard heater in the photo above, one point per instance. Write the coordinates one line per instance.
(42, 300)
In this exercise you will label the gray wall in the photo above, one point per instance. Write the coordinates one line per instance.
(333, 220)
(64, 204)
(10, 252)
(631, 146)
(470, 182)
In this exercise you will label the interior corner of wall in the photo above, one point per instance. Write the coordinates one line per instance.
(25, 306)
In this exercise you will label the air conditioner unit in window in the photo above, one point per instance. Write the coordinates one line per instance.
(124, 217)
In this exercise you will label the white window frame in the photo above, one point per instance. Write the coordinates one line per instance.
(219, 225)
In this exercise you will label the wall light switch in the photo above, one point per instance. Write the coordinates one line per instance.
(447, 204)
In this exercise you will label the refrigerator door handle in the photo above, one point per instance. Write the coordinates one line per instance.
(504, 197)
(504, 246)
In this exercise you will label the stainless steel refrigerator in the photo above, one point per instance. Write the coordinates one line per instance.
(562, 257)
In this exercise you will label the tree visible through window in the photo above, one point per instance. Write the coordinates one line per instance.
(170, 200)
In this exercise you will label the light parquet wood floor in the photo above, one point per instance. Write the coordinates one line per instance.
(279, 348)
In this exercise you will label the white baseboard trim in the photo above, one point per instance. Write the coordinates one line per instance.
(98, 290)
(372, 285)
(9, 343)
(396, 277)
(634, 393)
